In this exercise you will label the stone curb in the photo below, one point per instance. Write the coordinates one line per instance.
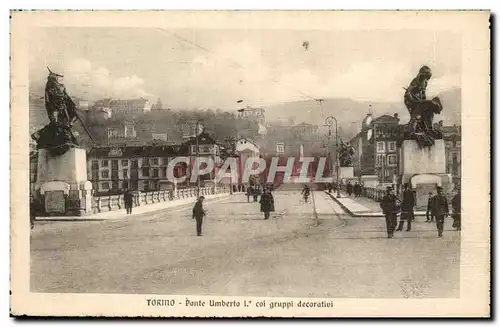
(368, 214)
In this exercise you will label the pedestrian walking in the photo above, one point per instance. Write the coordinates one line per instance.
(357, 190)
(249, 192)
(266, 203)
(407, 205)
(349, 188)
(128, 199)
(390, 208)
(198, 214)
(305, 192)
(256, 192)
(428, 212)
(456, 207)
(440, 210)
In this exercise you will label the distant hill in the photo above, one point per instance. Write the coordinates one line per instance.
(350, 113)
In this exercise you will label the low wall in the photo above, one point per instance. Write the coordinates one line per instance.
(115, 202)
(374, 193)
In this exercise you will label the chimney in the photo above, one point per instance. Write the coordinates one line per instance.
(396, 115)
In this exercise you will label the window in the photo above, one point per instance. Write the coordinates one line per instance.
(125, 173)
(95, 164)
(135, 164)
(164, 161)
(124, 163)
(105, 174)
(154, 161)
(280, 148)
(155, 172)
(392, 146)
(380, 146)
(392, 160)
(105, 186)
(145, 161)
(379, 160)
(105, 163)
(145, 172)
(125, 185)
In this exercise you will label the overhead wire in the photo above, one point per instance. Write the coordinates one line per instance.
(233, 62)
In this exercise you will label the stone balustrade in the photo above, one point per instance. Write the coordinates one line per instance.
(374, 193)
(115, 202)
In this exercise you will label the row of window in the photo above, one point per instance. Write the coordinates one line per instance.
(391, 146)
(390, 160)
(133, 185)
(146, 172)
(125, 162)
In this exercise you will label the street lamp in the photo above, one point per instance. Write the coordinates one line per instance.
(197, 156)
(329, 122)
(231, 149)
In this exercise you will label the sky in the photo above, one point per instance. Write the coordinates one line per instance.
(215, 68)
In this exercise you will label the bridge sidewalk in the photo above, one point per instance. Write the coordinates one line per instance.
(361, 206)
(136, 211)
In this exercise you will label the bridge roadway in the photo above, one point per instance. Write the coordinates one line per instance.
(242, 254)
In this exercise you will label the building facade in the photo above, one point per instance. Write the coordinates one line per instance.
(112, 169)
(453, 148)
(375, 148)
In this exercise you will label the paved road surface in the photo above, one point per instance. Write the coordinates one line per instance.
(241, 254)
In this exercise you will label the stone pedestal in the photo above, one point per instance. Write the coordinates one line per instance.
(369, 181)
(422, 161)
(62, 182)
(424, 169)
(346, 172)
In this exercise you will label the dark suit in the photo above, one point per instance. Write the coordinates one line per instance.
(407, 209)
(439, 210)
(428, 213)
(128, 198)
(198, 214)
(390, 209)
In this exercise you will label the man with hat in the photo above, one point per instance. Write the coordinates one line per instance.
(198, 214)
(407, 208)
(390, 208)
(440, 210)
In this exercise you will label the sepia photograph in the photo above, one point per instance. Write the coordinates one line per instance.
(239, 163)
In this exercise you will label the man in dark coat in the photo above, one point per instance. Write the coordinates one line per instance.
(428, 213)
(128, 199)
(266, 203)
(249, 192)
(349, 188)
(389, 206)
(407, 208)
(198, 214)
(456, 206)
(305, 192)
(440, 210)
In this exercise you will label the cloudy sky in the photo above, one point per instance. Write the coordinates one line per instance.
(215, 68)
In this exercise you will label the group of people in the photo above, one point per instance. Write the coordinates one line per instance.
(357, 189)
(266, 198)
(437, 209)
(266, 204)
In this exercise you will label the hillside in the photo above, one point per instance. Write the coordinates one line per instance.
(351, 113)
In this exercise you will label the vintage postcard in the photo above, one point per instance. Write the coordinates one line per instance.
(250, 163)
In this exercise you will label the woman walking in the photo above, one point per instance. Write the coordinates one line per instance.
(266, 203)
